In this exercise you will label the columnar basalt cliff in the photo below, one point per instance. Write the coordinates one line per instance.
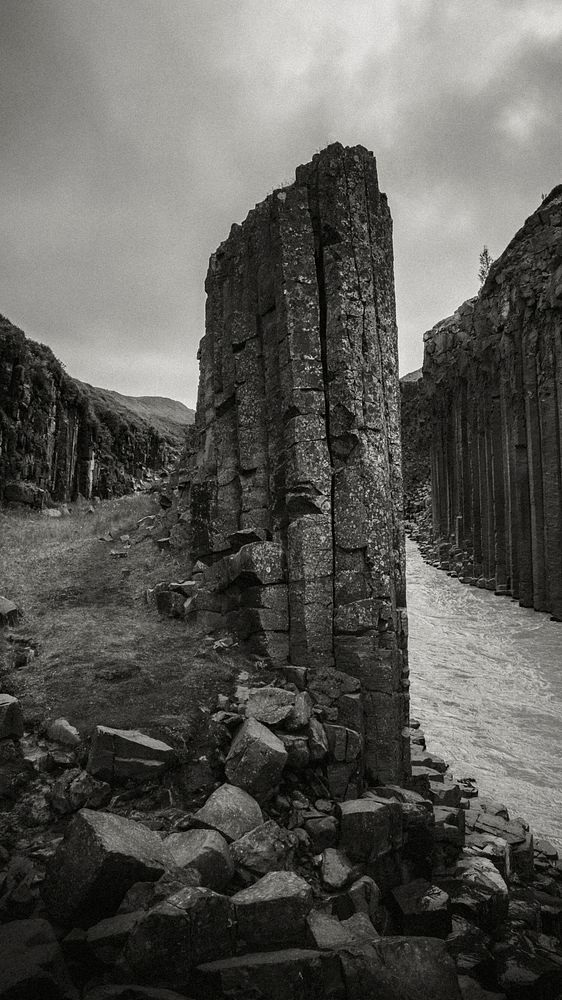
(64, 436)
(493, 375)
(294, 493)
(416, 433)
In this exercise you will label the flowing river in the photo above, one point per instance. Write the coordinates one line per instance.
(486, 683)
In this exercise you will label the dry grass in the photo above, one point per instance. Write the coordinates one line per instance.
(104, 655)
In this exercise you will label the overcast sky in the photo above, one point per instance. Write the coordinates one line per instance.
(134, 132)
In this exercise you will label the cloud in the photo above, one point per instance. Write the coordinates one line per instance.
(136, 132)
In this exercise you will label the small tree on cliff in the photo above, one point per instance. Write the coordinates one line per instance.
(486, 261)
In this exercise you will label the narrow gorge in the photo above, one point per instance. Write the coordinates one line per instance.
(280, 829)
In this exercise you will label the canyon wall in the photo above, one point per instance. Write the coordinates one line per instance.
(416, 431)
(64, 436)
(492, 374)
(293, 494)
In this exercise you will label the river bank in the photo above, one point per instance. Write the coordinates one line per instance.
(487, 683)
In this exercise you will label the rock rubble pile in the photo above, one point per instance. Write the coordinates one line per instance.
(275, 887)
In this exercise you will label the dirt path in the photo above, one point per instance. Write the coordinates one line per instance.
(104, 655)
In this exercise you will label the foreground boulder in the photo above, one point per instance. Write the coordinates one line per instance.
(32, 964)
(422, 908)
(119, 754)
(273, 911)
(269, 847)
(128, 991)
(9, 613)
(11, 718)
(256, 759)
(399, 968)
(291, 974)
(76, 789)
(100, 858)
(205, 850)
(193, 926)
(370, 827)
(392, 968)
(231, 811)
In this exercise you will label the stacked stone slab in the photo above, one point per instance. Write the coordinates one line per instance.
(493, 376)
(293, 495)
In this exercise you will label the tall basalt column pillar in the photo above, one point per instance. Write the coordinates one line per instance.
(499, 480)
(534, 453)
(547, 391)
(299, 448)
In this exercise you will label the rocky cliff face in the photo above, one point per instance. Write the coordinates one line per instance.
(293, 492)
(415, 422)
(493, 373)
(67, 437)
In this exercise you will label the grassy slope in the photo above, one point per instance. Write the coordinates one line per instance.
(168, 416)
(105, 656)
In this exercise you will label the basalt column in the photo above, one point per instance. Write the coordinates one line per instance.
(295, 493)
(493, 371)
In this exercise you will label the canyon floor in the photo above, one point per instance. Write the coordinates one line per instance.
(103, 654)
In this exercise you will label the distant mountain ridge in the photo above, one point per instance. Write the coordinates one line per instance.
(166, 415)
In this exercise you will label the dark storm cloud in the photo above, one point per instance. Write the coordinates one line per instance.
(134, 133)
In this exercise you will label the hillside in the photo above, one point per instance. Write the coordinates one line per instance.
(168, 416)
(68, 437)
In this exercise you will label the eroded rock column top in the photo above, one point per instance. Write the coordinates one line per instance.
(297, 449)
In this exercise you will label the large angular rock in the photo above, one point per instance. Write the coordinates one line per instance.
(290, 974)
(326, 932)
(32, 963)
(478, 892)
(107, 938)
(9, 613)
(145, 895)
(76, 789)
(273, 911)
(205, 850)
(472, 990)
(11, 718)
(370, 828)
(231, 811)
(256, 759)
(26, 493)
(422, 909)
(100, 857)
(132, 991)
(61, 731)
(269, 705)
(119, 754)
(400, 968)
(193, 926)
(337, 870)
(363, 896)
(268, 847)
